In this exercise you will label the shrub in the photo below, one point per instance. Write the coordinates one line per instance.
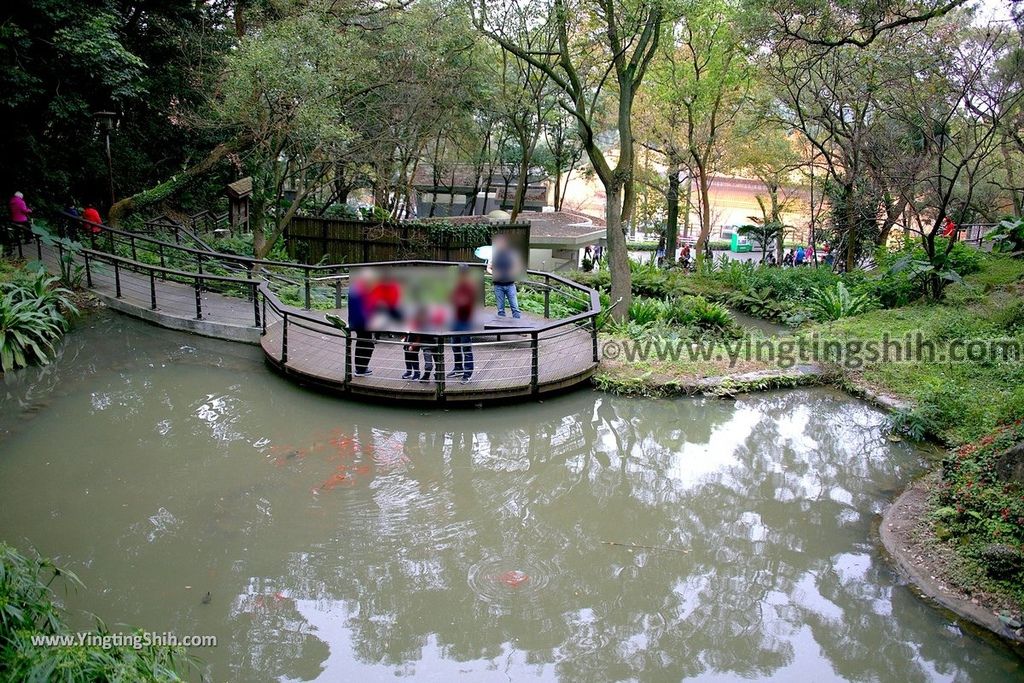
(28, 608)
(644, 310)
(28, 329)
(833, 303)
(984, 511)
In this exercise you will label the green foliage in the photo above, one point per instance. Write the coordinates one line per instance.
(833, 303)
(458, 234)
(28, 607)
(983, 510)
(1008, 237)
(71, 273)
(32, 319)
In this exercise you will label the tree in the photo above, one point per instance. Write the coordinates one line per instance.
(562, 151)
(698, 86)
(957, 108)
(591, 51)
(762, 149)
(282, 90)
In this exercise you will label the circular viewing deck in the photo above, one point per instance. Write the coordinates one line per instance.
(512, 358)
(297, 313)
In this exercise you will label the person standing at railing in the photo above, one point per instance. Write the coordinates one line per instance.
(464, 298)
(20, 222)
(504, 268)
(92, 215)
(359, 313)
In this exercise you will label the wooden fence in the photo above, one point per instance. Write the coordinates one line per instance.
(310, 240)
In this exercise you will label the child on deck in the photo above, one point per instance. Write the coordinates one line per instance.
(414, 341)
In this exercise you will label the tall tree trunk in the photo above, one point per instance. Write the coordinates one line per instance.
(157, 194)
(851, 230)
(672, 211)
(618, 256)
(1015, 192)
(703, 185)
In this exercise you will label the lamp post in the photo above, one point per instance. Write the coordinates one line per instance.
(106, 120)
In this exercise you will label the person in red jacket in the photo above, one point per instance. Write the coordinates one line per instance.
(93, 216)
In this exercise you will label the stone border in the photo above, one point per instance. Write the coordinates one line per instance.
(205, 328)
(900, 533)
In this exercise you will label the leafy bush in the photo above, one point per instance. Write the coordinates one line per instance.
(644, 310)
(833, 303)
(28, 608)
(1008, 236)
(32, 318)
(710, 315)
(984, 509)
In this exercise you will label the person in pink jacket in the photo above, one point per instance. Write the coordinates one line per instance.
(19, 209)
(20, 222)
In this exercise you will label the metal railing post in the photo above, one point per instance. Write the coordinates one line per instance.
(199, 298)
(135, 256)
(117, 280)
(256, 304)
(152, 288)
(593, 327)
(439, 368)
(309, 300)
(264, 315)
(348, 356)
(547, 297)
(534, 362)
(163, 263)
(88, 271)
(39, 248)
(284, 337)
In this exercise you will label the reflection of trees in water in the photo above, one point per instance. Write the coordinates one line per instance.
(776, 540)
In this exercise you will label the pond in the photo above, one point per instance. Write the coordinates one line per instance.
(585, 538)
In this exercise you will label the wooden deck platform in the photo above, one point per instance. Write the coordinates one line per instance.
(503, 363)
(503, 357)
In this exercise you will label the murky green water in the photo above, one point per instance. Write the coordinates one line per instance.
(587, 538)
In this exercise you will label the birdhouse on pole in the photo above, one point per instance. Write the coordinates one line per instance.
(239, 197)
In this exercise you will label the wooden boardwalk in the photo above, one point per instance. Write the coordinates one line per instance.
(503, 363)
(503, 359)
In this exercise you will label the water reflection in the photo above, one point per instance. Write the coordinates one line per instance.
(587, 538)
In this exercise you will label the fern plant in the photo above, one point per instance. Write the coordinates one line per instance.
(833, 303)
(643, 310)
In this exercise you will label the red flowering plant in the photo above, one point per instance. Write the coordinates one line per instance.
(979, 509)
